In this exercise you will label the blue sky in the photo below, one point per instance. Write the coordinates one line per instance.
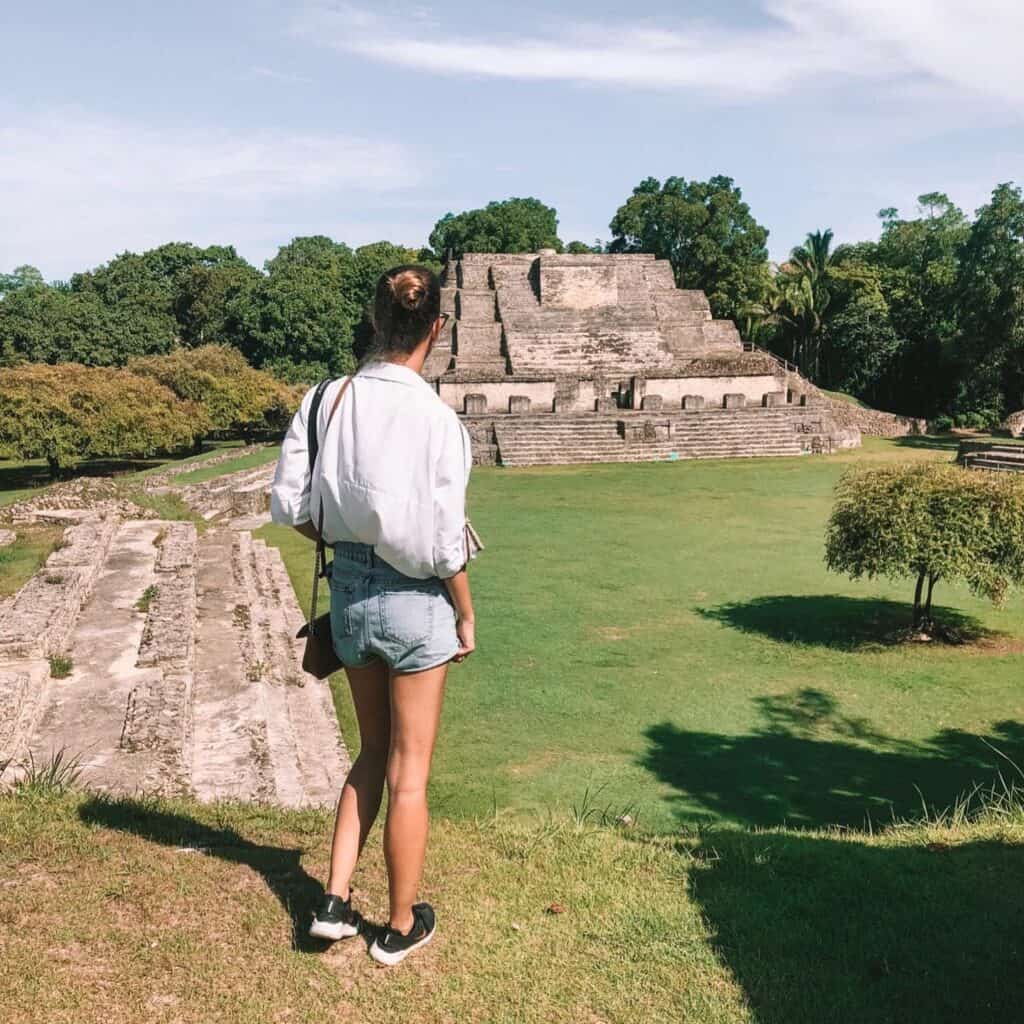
(125, 125)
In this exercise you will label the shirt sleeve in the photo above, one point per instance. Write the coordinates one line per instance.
(289, 495)
(450, 480)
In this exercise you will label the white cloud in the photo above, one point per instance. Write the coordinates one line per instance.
(973, 47)
(76, 187)
(281, 76)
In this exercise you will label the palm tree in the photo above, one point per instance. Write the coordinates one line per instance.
(805, 284)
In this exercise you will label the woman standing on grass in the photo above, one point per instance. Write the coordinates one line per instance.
(391, 473)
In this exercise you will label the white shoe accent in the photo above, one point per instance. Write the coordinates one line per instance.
(382, 956)
(325, 930)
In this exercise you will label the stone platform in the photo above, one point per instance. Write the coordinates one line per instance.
(185, 673)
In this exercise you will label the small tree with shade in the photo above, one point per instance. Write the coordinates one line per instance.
(932, 523)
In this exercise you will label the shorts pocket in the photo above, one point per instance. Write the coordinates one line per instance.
(407, 614)
(343, 596)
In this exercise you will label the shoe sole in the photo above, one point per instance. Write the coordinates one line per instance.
(390, 959)
(333, 932)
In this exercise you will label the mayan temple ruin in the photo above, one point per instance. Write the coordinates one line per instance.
(601, 358)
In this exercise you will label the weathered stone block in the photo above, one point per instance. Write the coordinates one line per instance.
(519, 403)
(772, 399)
(605, 405)
(651, 402)
(693, 403)
(475, 306)
(475, 405)
(734, 401)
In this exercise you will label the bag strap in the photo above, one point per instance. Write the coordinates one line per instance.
(320, 557)
(312, 441)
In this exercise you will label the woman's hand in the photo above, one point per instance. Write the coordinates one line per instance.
(465, 629)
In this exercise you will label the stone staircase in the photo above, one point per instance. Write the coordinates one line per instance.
(1000, 458)
(244, 493)
(650, 437)
(197, 688)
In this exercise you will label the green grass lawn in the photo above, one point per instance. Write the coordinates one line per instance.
(250, 461)
(667, 637)
(32, 545)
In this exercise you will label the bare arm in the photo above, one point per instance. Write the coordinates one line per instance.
(458, 590)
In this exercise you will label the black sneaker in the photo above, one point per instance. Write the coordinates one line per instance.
(335, 919)
(392, 947)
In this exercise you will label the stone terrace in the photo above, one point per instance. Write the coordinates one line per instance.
(186, 672)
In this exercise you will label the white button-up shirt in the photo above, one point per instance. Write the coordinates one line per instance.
(392, 471)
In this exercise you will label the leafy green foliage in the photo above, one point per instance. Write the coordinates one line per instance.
(236, 399)
(933, 522)
(68, 413)
(990, 347)
(706, 231)
(513, 225)
(305, 309)
(24, 276)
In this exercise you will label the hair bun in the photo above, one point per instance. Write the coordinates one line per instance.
(409, 290)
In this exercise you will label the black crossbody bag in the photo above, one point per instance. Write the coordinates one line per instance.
(319, 658)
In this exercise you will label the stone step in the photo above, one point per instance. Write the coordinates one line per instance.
(39, 620)
(996, 463)
(305, 717)
(475, 306)
(86, 713)
(23, 688)
(230, 755)
(282, 744)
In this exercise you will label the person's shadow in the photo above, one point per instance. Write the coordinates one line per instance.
(296, 890)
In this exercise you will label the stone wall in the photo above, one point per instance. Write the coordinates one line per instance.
(872, 422)
(1014, 423)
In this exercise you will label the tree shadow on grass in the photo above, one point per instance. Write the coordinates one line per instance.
(280, 867)
(935, 442)
(818, 929)
(836, 621)
(809, 765)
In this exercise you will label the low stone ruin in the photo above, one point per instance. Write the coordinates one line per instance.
(183, 674)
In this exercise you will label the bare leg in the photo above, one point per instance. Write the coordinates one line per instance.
(415, 712)
(360, 798)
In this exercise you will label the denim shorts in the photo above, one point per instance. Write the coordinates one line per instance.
(379, 613)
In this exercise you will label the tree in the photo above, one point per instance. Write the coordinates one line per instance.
(140, 291)
(69, 413)
(305, 309)
(207, 299)
(990, 342)
(918, 263)
(860, 347)
(25, 276)
(56, 325)
(931, 522)
(514, 225)
(707, 233)
(236, 399)
(582, 249)
(805, 286)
